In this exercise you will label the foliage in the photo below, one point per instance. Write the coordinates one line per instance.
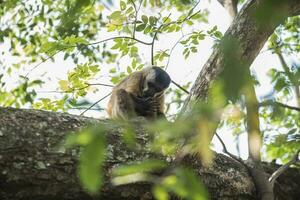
(282, 124)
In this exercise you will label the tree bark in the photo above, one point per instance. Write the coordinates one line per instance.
(34, 165)
(251, 37)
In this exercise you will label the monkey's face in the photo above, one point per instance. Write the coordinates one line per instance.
(150, 89)
(156, 81)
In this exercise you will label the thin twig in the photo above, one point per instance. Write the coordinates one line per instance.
(95, 104)
(102, 84)
(84, 108)
(73, 89)
(154, 38)
(89, 44)
(172, 49)
(44, 60)
(270, 103)
(180, 87)
(283, 168)
(120, 37)
(51, 91)
(136, 14)
(227, 152)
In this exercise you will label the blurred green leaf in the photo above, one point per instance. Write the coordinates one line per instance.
(183, 183)
(90, 162)
(144, 166)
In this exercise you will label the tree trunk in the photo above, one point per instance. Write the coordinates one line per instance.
(34, 165)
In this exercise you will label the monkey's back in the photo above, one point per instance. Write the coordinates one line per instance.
(132, 84)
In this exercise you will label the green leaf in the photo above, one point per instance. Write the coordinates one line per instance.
(90, 162)
(139, 167)
(292, 131)
(190, 22)
(129, 70)
(129, 10)
(140, 27)
(218, 34)
(64, 85)
(122, 5)
(160, 193)
(94, 68)
(145, 19)
(187, 55)
(280, 84)
(152, 20)
(185, 184)
(147, 29)
(116, 15)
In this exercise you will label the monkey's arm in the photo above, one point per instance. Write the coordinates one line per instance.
(144, 106)
(161, 106)
(161, 115)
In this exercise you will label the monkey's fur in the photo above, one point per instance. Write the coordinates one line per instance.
(140, 94)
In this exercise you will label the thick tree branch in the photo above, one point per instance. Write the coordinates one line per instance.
(251, 37)
(34, 165)
(260, 178)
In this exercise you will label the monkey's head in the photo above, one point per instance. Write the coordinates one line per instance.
(156, 81)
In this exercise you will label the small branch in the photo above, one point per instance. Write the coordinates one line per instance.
(283, 168)
(180, 87)
(271, 103)
(285, 65)
(153, 40)
(172, 49)
(95, 104)
(107, 85)
(93, 43)
(135, 20)
(73, 89)
(37, 65)
(122, 37)
(84, 108)
(228, 153)
(51, 91)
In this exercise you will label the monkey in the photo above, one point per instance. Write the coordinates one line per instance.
(140, 94)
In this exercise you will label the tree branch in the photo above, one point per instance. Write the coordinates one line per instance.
(250, 35)
(81, 114)
(283, 168)
(34, 165)
(227, 152)
(272, 103)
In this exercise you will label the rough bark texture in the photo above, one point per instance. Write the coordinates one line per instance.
(251, 38)
(34, 165)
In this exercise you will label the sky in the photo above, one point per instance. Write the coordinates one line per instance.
(180, 70)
